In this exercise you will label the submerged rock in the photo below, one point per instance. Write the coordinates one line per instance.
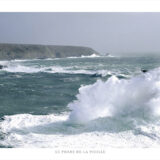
(1, 66)
(96, 75)
(144, 70)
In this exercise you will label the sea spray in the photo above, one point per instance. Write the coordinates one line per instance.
(135, 97)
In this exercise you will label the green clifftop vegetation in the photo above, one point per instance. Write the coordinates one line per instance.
(29, 51)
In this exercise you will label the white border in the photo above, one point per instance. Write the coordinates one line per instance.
(79, 5)
(51, 154)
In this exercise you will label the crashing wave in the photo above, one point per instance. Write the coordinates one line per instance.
(135, 97)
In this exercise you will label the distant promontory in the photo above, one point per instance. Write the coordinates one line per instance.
(29, 51)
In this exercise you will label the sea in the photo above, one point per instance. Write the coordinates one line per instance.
(80, 102)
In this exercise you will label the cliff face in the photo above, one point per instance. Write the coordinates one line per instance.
(26, 51)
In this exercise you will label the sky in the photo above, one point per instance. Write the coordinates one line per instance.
(114, 33)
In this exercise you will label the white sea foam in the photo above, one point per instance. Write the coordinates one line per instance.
(135, 97)
(17, 67)
(20, 121)
(28, 66)
(4, 62)
(90, 56)
(70, 70)
(25, 130)
(84, 140)
(21, 68)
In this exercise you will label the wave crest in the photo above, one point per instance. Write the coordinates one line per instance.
(135, 97)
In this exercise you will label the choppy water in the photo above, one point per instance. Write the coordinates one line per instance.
(80, 102)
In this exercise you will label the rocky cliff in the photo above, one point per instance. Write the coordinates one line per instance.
(29, 51)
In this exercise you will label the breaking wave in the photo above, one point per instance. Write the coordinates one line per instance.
(136, 97)
(91, 56)
(19, 68)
